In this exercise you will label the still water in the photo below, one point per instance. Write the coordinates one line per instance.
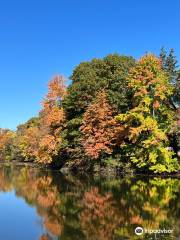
(45, 205)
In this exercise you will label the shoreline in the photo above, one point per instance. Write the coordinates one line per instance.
(105, 172)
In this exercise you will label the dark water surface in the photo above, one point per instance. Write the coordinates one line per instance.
(44, 205)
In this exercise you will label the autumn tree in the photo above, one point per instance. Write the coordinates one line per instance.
(27, 140)
(6, 144)
(99, 128)
(39, 139)
(150, 120)
(52, 118)
(28, 144)
(96, 127)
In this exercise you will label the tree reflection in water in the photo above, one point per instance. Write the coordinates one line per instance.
(96, 208)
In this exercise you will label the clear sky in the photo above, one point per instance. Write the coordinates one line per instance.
(40, 38)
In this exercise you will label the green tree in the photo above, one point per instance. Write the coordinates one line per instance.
(163, 56)
(170, 66)
(88, 79)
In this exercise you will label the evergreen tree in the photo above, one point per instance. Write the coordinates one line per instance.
(163, 56)
(169, 65)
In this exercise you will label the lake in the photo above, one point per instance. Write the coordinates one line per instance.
(37, 204)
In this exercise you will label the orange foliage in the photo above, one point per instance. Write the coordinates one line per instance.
(42, 141)
(52, 120)
(156, 104)
(57, 89)
(99, 127)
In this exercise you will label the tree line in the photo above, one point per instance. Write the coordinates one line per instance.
(118, 113)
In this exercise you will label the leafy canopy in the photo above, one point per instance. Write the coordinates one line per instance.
(149, 121)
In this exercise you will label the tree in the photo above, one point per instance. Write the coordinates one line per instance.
(98, 127)
(169, 65)
(52, 118)
(163, 56)
(6, 144)
(88, 79)
(150, 120)
(40, 138)
(27, 140)
(28, 143)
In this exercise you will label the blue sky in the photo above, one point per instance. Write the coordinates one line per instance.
(39, 39)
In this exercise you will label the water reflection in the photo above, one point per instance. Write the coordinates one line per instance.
(92, 208)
